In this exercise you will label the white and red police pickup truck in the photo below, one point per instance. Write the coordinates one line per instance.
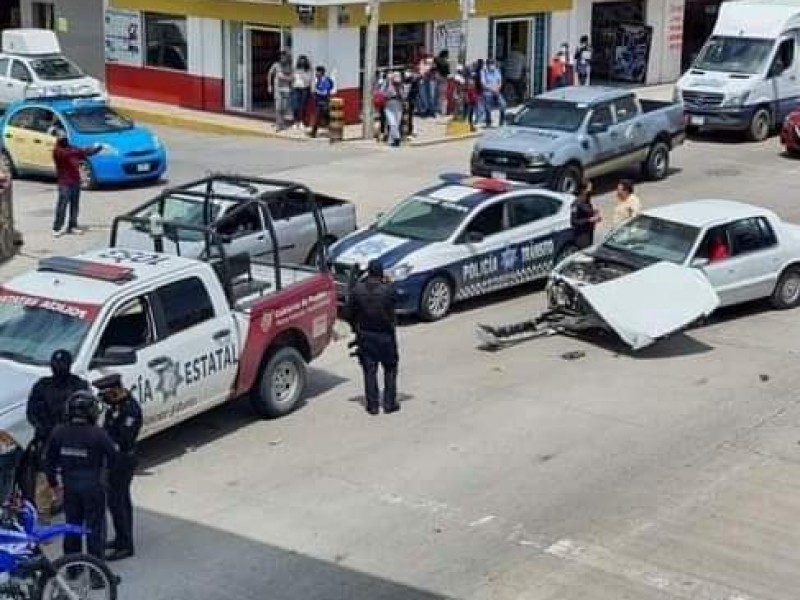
(185, 334)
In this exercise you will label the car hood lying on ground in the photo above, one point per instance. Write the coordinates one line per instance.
(645, 305)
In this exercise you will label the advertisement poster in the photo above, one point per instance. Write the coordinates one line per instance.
(447, 36)
(124, 37)
(632, 53)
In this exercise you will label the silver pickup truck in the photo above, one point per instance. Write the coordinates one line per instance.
(226, 205)
(565, 134)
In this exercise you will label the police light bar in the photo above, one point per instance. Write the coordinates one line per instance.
(85, 268)
(485, 184)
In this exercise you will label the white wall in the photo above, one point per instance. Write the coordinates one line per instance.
(311, 42)
(666, 19)
(477, 38)
(204, 38)
(344, 46)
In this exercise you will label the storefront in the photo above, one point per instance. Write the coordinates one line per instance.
(700, 17)
(215, 54)
(10, 15)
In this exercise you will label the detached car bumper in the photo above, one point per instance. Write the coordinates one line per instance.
(122, 169)
(734, 119)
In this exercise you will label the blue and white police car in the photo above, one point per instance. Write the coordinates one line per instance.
(459, 239)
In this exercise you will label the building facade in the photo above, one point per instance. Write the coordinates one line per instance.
(215, 54)
(78, 24)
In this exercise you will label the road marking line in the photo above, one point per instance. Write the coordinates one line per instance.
(483, 521)
(680, 585)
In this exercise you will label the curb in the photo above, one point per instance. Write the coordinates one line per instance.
(198, 125)
(444, 140)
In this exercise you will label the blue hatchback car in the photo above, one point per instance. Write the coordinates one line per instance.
(130, 153)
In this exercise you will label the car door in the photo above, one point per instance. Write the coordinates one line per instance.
(532, 222)
(43, 140)
(295, 228)
(19, 78)
(783, 78)
(243, 230)
(481, 244)
(5, 98)
(721, 273)
(631, 140)
(601, 136)
(18, 136)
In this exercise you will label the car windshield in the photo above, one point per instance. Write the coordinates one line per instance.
(32, 329)
(99, 119)
(653, 239)
(423, 218)
(186, 211)
(551, 114)
(56, 68)
(734, 55)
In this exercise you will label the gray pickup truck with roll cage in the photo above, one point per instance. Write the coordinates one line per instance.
(564, 135)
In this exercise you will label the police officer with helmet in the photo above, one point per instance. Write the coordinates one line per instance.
(78, 453)
(123, 422)
(371, 313)
(45, 410)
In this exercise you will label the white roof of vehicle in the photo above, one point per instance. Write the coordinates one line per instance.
(704, 213)
(756, 18)
(89, 289)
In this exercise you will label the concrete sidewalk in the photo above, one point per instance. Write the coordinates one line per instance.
(427, 131)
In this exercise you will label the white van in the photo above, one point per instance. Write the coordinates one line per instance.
(747, 76)
(32, 66)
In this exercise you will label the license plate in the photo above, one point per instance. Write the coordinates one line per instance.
(143, 168)
(498, 175)
(698, 121)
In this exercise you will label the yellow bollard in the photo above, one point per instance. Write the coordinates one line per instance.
(336, 125)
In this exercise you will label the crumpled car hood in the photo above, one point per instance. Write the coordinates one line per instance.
(648, 304)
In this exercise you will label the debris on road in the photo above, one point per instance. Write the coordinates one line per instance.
(573, 355)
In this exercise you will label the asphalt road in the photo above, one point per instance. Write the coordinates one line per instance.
(670, 474)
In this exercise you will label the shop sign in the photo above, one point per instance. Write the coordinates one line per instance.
(447, 36)
(123, 37)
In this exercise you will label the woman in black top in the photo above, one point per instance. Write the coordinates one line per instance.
(584, 217)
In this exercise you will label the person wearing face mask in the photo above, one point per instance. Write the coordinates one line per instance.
(46, 409)
(492, 84)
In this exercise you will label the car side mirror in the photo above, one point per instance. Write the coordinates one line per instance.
(115, 356)
(473, 237)
(700, 262)
(595, 128)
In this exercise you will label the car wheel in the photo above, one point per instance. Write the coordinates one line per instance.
(760, 125)
(282, 384)
(6, 164)
(569, 179)
(437, 298)
(88, 181)
(787, 291)
(656, 166)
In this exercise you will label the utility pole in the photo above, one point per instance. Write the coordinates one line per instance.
(466, 10)
(370, 67)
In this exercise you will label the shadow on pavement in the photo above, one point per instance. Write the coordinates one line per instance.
(219, 422)
(184, 560)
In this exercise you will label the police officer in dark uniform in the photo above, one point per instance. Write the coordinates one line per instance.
(79, 451)
(123, 422)
(46, 409)
(371, 313)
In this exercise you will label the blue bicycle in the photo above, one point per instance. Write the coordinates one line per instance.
(26, 573)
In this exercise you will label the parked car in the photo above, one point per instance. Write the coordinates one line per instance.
(669, 266)
(131, 153)
(790, 132)
(745, 78)
(185, 334)
(462, 238)
(32, 66)
(228, 204)
(569, 133)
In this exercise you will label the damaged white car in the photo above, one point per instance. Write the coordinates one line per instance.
(667, 268)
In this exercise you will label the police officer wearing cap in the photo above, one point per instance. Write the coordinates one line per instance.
(46, 409)
(123, 422)
(371, 312)
(78, 454)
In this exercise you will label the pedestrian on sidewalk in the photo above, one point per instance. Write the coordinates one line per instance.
(441, 68)
(323, 90)
(279, 82)
(395, 98)
(492, 82)
(379, 103)
(411, 86)
(477, 74)
(558, 70)
(471, 99)
(301, 90)
(627, 203)
(68, 160)
(583, 61)
(584, 216)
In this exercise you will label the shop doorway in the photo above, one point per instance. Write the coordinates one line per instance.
(250, 52)
(513, 51)
(264, 47)
(620, 41)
